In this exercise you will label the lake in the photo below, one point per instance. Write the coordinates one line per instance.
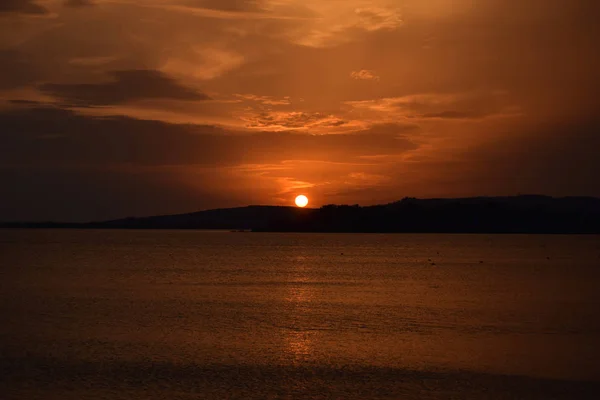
(188, 314)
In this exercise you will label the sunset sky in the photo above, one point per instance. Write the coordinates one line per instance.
(115, 108)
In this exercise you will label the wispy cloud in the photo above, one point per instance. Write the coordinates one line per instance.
(364, 75)
(292, 120)
(378, 18)
(456, 106)
(339, 22)
(266, 100)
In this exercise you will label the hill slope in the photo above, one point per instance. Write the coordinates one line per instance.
(518, 214)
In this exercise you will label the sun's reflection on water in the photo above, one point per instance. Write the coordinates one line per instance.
(299, 345)
(299, 304)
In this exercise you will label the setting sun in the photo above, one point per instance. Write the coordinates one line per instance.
(302, 201)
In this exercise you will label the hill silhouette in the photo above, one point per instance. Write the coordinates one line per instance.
(516, 214)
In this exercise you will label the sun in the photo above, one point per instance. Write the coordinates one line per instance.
(302, 201)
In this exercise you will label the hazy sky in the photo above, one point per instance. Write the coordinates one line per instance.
(111, 108)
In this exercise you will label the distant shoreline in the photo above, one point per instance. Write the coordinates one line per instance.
(9, 227)
(478, 215)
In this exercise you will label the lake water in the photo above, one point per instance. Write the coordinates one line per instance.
(216, 315)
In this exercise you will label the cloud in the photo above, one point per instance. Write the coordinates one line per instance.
(52, 136)
(199, 166)
(228, 5)
(303, 68)
(448, 106)
(364, 75)
(22, 6)
(558, 159)
(394, 129)
(326, 181)
(332, 23)
(552, 158)
(378, 18)
(453, 115)
(91, 194)
(17, 70)
(21, 102)
(265, 100)
(290, 120)
(79, 3)
(203, 62)
(127, 86)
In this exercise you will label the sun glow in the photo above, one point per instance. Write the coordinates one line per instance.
(302, 201)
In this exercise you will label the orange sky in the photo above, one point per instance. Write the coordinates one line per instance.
(110, 108)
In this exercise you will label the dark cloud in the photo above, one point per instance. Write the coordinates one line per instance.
(228, 5)
(453, 115)
(127, 86)
(22, 6)
(60, 137)
(79, 3)
(554, 159)
(17, 70)
(62, 194)
(107, 167)
(26, 102)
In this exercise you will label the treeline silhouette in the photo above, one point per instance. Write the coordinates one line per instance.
(517, 214)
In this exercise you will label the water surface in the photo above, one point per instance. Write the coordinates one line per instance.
(186, 314)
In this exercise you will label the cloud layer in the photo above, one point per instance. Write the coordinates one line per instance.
(22, 6)
(126, 86)
(229, 102)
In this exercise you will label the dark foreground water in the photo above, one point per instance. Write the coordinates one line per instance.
(217, 315)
